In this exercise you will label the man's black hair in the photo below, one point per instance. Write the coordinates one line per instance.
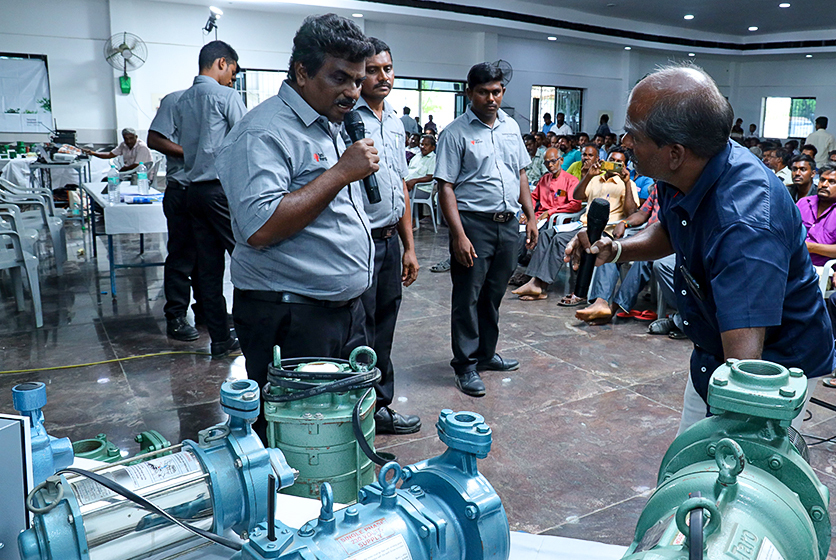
(327, 35)
(406, 110)
(828, 167)
(804, 157)
(605, 118)
(785, 155)
(588, 145)
(213, 51)
(430, 137)
(620, 150)
(821, 122)
(484, 73)
(539, 133)
(380, 46)
(792, 144)
(528, 138)
(810, 147)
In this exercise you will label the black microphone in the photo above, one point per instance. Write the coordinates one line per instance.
(597, 217)
(354, 126)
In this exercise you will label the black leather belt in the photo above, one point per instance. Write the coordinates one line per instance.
(385, 232)
(500, 217)
(288, 297)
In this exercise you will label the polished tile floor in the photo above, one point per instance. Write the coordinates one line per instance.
(579, 430)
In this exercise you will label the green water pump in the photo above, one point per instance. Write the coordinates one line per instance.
(737, 485)
(308, 405)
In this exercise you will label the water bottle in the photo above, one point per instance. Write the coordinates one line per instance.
(113, 182)
(142, 178)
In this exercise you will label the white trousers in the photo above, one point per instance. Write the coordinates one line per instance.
(694, 408)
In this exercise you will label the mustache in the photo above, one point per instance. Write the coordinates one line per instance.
(382, 85)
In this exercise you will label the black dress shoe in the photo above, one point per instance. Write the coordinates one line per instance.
(498, 364)
(222, 349)
(387, 421)
(470, 384)
(180, 329)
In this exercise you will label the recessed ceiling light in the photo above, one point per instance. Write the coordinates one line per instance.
(692, 54)
(784, 5)
(552, 38)
(753, 28)
(689, 16)
(356, 15)
(628, 48)
(809, 56)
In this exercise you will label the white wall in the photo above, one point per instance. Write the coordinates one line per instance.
(71, 34)
(86, 97)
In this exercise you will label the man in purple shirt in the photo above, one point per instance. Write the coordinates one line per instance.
(818, 214)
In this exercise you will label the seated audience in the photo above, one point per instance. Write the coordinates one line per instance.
(818, 214)
(776, 159)
(542, 142)
(412, 146)
(792, 146)
(810, 150)
(598, 140)
(754, 146)
(422, 167)
(547, 260)
(582, 138)
(670, 326)
(551, 138)
(554, 191)
(610, 140)
(803, 169)
(604, 298)
(831, 156)
(133, 151)
(752, 128)
(589, 155)
(536, 168)
(568, 150)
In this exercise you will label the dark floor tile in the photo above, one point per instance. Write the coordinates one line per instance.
(120, 431)
(667, 389)
(59, 346)
(613, 524)
(185, 422)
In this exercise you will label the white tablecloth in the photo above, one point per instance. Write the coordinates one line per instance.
(128, 218)
(17, 171)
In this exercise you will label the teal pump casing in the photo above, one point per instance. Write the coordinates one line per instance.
(742, 475)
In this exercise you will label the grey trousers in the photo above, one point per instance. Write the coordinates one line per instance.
(547, 259)
(663, 270)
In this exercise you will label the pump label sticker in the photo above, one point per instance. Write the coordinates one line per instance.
(141, 475)
(365, 536)
(768, 551)
(393, 548)
(162, 469)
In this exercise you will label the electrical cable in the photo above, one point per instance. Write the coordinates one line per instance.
(114, 360)
(152, 507)
(818, 440)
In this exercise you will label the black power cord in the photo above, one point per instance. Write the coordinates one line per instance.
(150, 506)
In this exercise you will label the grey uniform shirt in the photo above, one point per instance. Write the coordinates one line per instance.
(279, 147)
(163, 123)
(482, 163)
(203, 116)
(389, 139)
(409, 125)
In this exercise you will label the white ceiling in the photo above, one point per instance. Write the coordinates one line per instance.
(719, 26)
(728, 17)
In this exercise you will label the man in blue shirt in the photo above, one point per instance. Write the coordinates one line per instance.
(745, 285)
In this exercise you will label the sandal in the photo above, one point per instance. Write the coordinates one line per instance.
(443, 266)
(829, 382)
(644, 315)
(571, 300)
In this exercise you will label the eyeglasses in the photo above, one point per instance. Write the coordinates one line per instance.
(548, 161)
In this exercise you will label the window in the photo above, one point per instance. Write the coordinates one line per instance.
(443, 99)
(554, 100)
(788, 117)
(257, 85)
(25, 102)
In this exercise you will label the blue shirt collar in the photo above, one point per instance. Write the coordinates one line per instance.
(471, 116)
(305, 112)
(715, 167)
(201, 79)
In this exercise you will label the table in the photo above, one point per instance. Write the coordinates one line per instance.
(120, 219)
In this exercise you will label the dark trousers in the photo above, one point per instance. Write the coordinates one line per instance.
(180, 272)
(212, 228)
(381, 303)
(478, 290)
(299, 330)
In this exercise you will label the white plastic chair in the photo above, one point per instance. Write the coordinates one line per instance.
(427, 198)
(35, 190)
(824, 278)
(11, 220)
(41, 220)
(14, 259)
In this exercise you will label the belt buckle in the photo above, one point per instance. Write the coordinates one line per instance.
(389, 231)
(500, 217)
